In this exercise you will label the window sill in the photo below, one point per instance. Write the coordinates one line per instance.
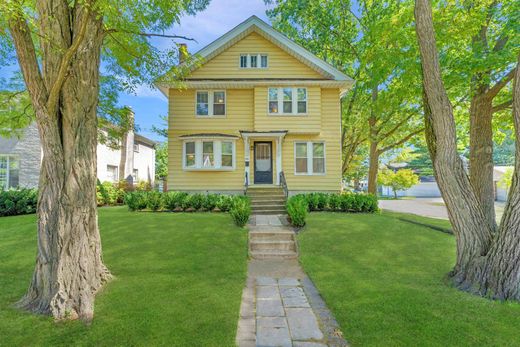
(207, 117)
(288, 114)
(310, 174)
(209, 169)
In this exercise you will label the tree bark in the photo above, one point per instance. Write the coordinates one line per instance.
(481, 154)
(373, 167)
(487, 264)
(69, 268)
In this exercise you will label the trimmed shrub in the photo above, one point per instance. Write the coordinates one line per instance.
(240, 210)
(224, 203)
(136, 201)
(210, 202)
(143, 186)
(154, 201)
(17, 202)
(298, 205)
(334, 202)
(297, 208)
(174, 200)
(193, 202)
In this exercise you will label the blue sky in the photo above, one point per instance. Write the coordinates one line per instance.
(218, 18)
(206, 26)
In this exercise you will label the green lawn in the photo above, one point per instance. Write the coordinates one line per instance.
(384, 280)
(179, 280)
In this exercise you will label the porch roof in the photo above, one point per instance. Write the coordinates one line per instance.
(269, 133)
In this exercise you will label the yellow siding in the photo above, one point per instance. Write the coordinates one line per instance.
(309, 123)
(280, 63)
(331, 135)
(182, 121)
(178, 179)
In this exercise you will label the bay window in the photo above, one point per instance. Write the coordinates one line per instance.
(309, 158)
(287, 101)
(208, 154)
(210, 103)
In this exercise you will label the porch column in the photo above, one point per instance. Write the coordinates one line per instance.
(278, 159)
(247, 164)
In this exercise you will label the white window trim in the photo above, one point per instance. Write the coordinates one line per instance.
(294, 102)
(248, 60)
(217, 155)
(211, 99)
(6, 172)
(310, 158)
(116, 179)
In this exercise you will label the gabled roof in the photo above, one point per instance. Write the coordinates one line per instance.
(255, 24)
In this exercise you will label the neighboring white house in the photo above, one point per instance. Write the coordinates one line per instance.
(20, 160)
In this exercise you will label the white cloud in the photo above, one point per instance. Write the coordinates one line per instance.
(218, 18)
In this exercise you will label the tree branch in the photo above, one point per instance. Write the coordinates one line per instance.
(395, 128)
(400, 142)
(493, 91)
(27, 60)
(502, 106)
(54, 93)
(151, 34)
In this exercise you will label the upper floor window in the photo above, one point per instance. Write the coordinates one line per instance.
(9, 169)
(287, 100)
(211, 103)
(209, 154)
(136, 147)
(253, 61)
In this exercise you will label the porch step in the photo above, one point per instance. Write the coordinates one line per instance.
(261, 198)
(270, 212)
(268, 204)
(274, 254)
(268, 245)
(271, 236)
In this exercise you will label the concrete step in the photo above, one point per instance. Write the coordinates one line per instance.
(276, 213)
(274, 254)
(272, 245)
(267, 204)
(268, 207)
(266, 196)
(276, 200)
(271, 236)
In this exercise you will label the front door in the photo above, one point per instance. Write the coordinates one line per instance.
(263, 163)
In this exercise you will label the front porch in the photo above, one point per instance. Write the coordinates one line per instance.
(263, 157)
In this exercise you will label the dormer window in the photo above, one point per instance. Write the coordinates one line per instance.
(253, 61)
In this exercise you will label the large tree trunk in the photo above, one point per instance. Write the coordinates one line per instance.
(487, 265)
(373, 168)
(481, 154)
(69, 268)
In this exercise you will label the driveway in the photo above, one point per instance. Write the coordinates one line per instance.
(426, 207)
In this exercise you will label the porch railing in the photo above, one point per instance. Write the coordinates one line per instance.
(283, 183)
(246, 183)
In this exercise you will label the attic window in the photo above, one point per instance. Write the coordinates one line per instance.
(253, 61)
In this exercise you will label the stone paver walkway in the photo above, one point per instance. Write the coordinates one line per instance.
(281, 306)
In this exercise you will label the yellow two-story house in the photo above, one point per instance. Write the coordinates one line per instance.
(259, 110)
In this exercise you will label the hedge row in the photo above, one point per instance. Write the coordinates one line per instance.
(16, 202)
(299, 205)
(111, 194)
(237, 205)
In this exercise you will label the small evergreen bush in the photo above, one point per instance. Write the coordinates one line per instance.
(16, 202)
(174, 200)
(297, 208)
(136, 201)
(240, 210)
(224, 203)
(154, 200)
(210, 202)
